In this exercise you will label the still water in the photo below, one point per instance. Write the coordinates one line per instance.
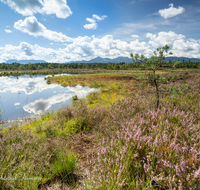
(30, 95)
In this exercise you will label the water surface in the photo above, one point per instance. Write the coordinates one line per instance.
(30, 95)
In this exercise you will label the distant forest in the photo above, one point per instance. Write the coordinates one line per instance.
(108, 66)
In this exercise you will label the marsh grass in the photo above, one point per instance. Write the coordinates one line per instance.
(64, 166)
(115, 139)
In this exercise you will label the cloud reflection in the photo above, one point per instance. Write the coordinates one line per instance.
(27, 85)
(42, 105)
(26, 96)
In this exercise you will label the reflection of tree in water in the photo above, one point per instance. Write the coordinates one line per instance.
(30, 87)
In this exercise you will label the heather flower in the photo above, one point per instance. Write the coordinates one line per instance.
(197, 173)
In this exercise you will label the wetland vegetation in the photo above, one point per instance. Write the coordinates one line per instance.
(117, 138)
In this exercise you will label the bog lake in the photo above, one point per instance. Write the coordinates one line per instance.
(29, 95)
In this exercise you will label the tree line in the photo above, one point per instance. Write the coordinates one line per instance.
(108, 66)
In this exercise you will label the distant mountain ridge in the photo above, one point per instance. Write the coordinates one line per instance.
(25, 61)
(104, 60)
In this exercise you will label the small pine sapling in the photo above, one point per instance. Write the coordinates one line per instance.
(152, 65)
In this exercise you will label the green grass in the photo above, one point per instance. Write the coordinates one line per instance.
(64, 165)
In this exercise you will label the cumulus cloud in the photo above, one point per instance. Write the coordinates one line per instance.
(82, 48)
(90, 47)
(58, 7)
(34, 28)
(186, 48)
(87, 48)
(93, 25)
(31, 26)
(24, 7)
(30, 7)
(8, 31)
(180, 46)
(171, 12)
(27, 48)
(163, 38)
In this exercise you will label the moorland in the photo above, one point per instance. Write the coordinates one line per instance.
(117, 138)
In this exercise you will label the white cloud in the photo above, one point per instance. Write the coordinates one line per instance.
(58, 7)
(8, 31)
(17, 104)
(171, 12)
(180, 46)
(93, 25)
(82, 48)
(24, 7)
(187, 48)
(163, 38)
(99, 17)
(91, 20)
(87, 48)
(135, 36)
(31, 26)
(31, 7)
(27, 48)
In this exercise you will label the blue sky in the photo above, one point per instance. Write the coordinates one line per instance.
(75, 30)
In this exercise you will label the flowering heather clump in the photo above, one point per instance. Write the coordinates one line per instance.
(176, 149)
(162, 145)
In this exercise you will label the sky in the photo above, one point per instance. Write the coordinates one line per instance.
(75, 30)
